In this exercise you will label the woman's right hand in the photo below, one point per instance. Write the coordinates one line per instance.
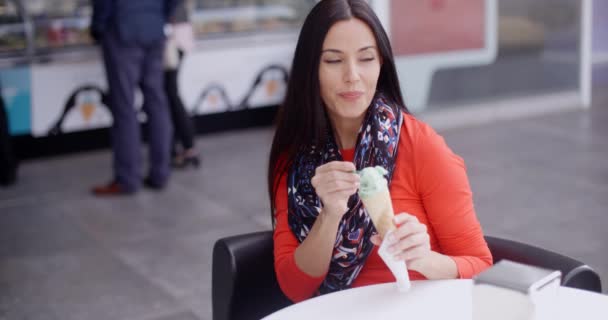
(334, 183)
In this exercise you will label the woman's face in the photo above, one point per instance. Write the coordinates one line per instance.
(349, 69)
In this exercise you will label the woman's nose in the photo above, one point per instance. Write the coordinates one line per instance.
(351, 74)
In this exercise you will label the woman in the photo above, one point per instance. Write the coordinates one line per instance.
(343, 111)
(179, 42)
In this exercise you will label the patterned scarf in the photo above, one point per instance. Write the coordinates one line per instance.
(376, 146)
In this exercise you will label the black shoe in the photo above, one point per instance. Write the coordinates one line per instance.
(183, 161)
(148, 183)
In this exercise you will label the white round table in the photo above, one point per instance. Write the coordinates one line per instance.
(430, 299)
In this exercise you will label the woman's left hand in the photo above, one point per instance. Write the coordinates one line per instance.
(409, 242)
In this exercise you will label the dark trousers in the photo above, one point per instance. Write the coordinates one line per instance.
(8, 164)
(127, 67)
(182, 124)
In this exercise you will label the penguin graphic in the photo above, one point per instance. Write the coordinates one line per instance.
(214, 96)
(83, 105)
(269, 83)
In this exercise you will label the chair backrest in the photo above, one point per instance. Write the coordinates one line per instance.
(575, 274)
(244, 284)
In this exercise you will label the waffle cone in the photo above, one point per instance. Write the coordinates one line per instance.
(380, 208)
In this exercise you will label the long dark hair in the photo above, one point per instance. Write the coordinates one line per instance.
(301, 120)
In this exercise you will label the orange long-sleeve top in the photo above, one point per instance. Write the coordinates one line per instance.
(430, 182)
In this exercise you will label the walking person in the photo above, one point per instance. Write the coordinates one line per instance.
(131, 34)
(180, 42)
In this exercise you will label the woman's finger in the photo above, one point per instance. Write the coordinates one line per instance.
(409, 228)
(339, 175)
(329, 177)
(403, 217)
(344, 166)
(413, 253)
(327, 185)
(336, 187)
(412, 241)
(376, 239)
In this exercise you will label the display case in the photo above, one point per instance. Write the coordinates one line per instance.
(66, 68)
(63, 66)
(59, 24)
(220, 18)
(13, 36)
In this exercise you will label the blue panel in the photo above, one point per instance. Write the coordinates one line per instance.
(16, 92)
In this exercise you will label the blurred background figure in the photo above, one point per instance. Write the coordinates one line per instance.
(8, 163)
(180, 41)
(131, 34)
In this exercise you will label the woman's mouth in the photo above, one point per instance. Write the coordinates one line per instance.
(350, 95)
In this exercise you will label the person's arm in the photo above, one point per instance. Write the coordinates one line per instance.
(444, 188)
(296, 284)
(302, 267)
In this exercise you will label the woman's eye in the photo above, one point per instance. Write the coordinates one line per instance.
(332, 61)
(368, 59)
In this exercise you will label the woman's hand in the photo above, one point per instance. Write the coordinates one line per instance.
(334, 183)
(411, 243)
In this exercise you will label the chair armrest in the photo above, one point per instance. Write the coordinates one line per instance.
(575, 274)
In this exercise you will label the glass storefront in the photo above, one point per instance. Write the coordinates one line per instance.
(538, 53)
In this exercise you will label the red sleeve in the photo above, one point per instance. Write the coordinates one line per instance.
(296, 284)
(446, 194)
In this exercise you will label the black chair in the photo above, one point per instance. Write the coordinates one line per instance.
(575, 274)
(244, 285)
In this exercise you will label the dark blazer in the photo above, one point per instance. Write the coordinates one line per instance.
(139, 22)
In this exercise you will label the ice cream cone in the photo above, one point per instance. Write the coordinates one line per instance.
(376, 198)
(374, 194)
